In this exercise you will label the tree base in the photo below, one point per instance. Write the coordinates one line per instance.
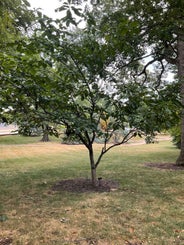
(45, 138)
(180, 160)
(81, 185)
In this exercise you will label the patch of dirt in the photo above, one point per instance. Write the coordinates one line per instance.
(85, 185)
(133, 243)
(6, 241)
(167, 166)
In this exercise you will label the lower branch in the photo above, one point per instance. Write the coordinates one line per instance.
(126, 138)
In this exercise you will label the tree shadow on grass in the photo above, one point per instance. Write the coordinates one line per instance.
(166, 166)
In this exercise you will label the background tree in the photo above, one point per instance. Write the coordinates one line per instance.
(16, 20)
(25, 75)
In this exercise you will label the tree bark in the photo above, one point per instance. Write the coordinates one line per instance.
(93, 167)
(180, 160)
(45, 137)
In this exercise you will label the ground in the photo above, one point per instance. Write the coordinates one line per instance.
(6, 241)
(85, 185)
(152, 203)
(168, 166)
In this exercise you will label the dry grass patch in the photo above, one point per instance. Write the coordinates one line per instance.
(37, 149)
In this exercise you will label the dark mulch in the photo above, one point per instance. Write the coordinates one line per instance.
(167, 166)
(85, 185)
(134, 243)
(6, 241)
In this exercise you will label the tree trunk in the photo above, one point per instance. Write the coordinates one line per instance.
(92, 164)
(93, 176)
(45, 137)
(180, 160)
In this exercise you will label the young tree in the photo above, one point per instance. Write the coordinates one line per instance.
(73, 79)
(151, 29)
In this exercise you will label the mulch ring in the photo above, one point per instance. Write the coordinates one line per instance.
(167, 166)
(85, 185)
(6, 241)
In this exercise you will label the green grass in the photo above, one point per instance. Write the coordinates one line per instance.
(19, 139)
(147, 208)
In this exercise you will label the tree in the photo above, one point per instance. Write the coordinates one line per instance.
(16, 20)
(73, 79)
(23, 79)
(151, 29)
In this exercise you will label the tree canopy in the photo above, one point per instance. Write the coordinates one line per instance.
(15, 18)
(148, 29)
(93, 80)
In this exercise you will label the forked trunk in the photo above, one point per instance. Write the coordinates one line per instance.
(180, 160)
(93, 167)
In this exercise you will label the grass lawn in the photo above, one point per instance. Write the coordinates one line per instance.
(148, 207)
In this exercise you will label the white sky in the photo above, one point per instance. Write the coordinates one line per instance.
(47, 6)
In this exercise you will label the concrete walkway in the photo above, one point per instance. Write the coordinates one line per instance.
(7, 129)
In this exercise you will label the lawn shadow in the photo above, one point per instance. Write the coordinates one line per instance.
(166, 166)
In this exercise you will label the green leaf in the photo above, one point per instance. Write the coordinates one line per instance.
(76, 11)
(62, 8)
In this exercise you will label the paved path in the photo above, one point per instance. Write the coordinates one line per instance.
(7, 129)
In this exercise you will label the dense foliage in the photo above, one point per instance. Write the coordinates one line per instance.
(91, 80)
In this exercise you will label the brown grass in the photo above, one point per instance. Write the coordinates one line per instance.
(37, 149)
(147, 208)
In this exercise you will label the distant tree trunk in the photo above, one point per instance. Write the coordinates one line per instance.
(45, 137)
(93, 167)
(180, 160)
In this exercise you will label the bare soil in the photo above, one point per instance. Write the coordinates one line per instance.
(85, 185)
(6, 241)
(167, 166)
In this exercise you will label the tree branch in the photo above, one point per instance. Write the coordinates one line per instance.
(126, 138)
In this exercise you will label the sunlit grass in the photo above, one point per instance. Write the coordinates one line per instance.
(19, 139)
(147, 208)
